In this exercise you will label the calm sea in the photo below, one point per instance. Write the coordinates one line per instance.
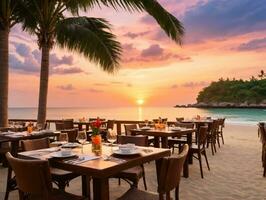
(236, 116)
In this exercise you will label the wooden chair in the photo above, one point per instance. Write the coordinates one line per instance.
(212, 136)
(262, 135)
(129, 127)
(72, 134)
(133, 175)
(199, 148)
(60, 177)
(35, 181)
(59, 126)
(168, 179)
(177, 142)
(68, 123)
(220, 131)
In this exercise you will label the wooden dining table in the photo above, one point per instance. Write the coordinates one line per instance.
(14, 138)
(162, 135)
(102, 169)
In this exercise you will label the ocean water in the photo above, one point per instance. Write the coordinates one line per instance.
(234, 116)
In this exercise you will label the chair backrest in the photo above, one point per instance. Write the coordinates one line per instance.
(68, 123)
(221, 122)
(72, 134)
(32, 176)
(139, 140)
(202, 135)
(170, 171)
(262, 132)
(110, 124)
(180, 119)
(59, 126)
(34, 144)
(184, 125)
(214, 127)
(129, 127)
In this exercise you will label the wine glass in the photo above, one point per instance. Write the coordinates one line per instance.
(39, 126)
(111, 137)
(82, 138)
(146, 122)
(63, 137)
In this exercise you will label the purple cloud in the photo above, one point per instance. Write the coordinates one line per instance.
(70, 70)
(135, 35)
(31, 61)
(256, 44)
(22, 49)
(153, 50)
(219, 19)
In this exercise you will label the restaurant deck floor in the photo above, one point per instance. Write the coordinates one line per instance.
(236, 172)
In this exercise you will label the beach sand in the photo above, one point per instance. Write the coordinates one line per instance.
(236, 172)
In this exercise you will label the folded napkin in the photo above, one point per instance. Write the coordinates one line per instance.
(81, 159)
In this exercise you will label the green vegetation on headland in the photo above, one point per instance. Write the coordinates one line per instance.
(234, 93)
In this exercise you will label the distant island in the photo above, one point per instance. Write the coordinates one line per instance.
(226, 93)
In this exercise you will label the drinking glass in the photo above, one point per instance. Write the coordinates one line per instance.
(146, 122)
(39, 127)
(82, 138)
(63, 137)
(111, 137)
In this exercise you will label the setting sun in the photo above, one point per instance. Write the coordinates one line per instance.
(140, 102)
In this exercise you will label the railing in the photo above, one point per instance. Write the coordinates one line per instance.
(118, 123)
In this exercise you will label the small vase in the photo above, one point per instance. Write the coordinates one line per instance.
(96, 144)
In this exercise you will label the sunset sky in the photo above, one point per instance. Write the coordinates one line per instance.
(224, 38)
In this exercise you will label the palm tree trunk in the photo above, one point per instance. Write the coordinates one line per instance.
(4, 35)
(43, 91)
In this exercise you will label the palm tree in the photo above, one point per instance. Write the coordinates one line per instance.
(86, 35)
(7, 20)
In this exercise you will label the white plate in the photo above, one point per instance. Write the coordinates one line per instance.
(133, 152)
(59, 155)
(70, 145)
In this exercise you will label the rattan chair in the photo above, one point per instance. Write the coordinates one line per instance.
(60, 177)
(134, 174)
(35, 181)
(168, 179)
(199, 148)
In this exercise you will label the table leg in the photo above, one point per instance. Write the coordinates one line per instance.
(156, 142)
(100, 189)
(85, 186)
(164, 142)
(80, 127)
(158, 168)
(189, 141)
(189, 158)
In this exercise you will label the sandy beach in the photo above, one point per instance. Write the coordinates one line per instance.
(236, 172)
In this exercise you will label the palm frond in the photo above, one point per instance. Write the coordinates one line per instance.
(92, 38)
(169, 23)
